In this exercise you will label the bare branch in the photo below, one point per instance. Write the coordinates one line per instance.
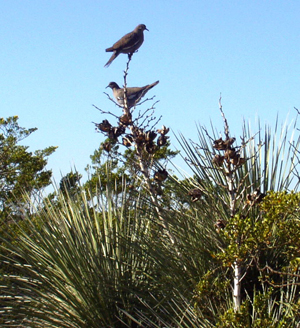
(207, 134)
(138, 102)
(111, 99)
(280, 273)
(105, 112)
(226, 126)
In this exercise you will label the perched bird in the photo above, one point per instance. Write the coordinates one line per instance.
(128, 44)
(133, 94)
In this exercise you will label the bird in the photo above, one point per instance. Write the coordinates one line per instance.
(128, 44)
(134, 94)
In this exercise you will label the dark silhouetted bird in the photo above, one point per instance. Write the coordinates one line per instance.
(134, 94)
(128, 44)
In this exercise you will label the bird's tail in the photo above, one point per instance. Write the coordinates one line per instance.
(113, 57)
(146, 89)
(150, 86)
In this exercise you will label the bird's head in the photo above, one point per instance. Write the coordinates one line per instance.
(113, 85)
(141, 27)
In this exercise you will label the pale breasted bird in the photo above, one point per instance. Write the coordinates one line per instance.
(128, 44)
(133, 94)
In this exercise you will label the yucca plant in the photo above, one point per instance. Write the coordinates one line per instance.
(233, 178)
(96, 262)
(79, 264)
(82, 262)
(230, 224)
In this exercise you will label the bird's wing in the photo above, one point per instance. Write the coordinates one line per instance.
(134, 92)
(128, 41)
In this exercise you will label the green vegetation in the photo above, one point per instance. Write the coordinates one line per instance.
(136, 246)
(20, 170)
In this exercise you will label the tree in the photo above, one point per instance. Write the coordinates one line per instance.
(121, 167)
(111, 266)
(139, 133)
(228, 256)
(20, 169)
(256, 244)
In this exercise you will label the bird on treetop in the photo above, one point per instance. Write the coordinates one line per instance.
(133, 94)
(128, 44)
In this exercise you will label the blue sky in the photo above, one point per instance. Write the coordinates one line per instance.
(53, 53)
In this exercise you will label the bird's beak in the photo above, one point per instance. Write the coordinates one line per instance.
(146, 29)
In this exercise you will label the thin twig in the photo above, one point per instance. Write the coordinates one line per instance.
(226, 126)
(111, 99)
(138, 102)
(125, 108)
(207, 134)
(106, 112)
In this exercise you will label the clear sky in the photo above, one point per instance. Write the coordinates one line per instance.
(53, 52)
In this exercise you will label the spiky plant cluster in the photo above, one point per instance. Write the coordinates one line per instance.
(96, 262)
(236, 178)
(77, 265)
